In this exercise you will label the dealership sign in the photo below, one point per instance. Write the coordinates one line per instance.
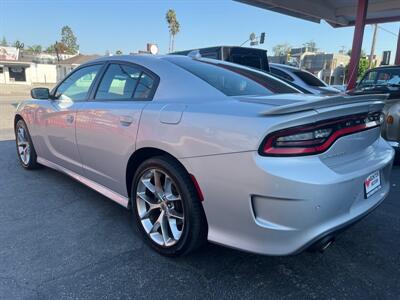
(9, 53)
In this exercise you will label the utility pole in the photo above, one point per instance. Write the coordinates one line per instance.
(371, 55)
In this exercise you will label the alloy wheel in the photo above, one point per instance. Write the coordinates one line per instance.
(160, 207)
(24, 149)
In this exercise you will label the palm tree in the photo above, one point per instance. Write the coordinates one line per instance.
(173, 26)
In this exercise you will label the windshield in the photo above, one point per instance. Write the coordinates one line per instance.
(233, 81)
(309, 78)
(382, 77)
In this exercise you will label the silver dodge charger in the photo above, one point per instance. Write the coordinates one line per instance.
(202, 150)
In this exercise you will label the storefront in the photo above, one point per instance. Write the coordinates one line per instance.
(14, 72)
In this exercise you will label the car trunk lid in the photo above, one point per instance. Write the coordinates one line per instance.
(284, 108)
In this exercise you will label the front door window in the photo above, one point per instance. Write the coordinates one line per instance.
(76, 86)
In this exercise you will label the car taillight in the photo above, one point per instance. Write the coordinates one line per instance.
(317, 137)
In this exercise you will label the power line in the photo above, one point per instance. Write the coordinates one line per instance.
(388, 31)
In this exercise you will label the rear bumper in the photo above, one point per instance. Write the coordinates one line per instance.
(280, 206)
(395, 145)
(338, 229)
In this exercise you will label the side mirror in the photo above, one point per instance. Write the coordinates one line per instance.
(40, 93)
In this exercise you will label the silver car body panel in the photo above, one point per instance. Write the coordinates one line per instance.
(269, 205)
(124, 201)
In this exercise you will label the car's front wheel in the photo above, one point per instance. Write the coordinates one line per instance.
(25, 149)
(167, 208)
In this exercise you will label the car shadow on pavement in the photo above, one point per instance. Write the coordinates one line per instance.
(60, 239)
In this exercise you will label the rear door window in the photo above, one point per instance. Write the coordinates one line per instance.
(123, 82)
(144, 87)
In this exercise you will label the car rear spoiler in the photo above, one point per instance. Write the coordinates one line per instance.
(325, 102)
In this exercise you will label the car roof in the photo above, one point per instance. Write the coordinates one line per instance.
(145, 59)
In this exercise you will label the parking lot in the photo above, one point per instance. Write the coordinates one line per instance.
(61, 240)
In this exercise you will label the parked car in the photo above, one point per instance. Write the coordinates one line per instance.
(249, 57)
(303, 78)
(202, 149)
(384, 80)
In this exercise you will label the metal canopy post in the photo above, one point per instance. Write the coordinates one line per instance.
(362, 8)
(397, 58)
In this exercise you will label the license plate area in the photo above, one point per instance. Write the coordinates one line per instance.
(372, 184)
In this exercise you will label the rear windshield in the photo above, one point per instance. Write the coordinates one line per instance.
(233, 81)
(309, 78)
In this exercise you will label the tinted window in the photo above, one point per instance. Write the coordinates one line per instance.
(369, 79)
(76, 86)
(213, 55)
(274, 85)
(389, 76)
(247, 60)
(119, 82)
(144, 87)
(309, 78)
(281, 74)
(382, 77)
(227, 81)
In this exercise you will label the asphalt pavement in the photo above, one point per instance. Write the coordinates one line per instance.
(62, 240)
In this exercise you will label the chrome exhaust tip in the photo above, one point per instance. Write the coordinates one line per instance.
(322, 244)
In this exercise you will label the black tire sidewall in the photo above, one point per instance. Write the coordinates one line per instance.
(182, 180)
(32, 164)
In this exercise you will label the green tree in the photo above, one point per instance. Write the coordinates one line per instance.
(362, 64)
(118, 52)
(69, 40)
(50, 49)
(35, 49)
(281, 49)
(173, 26)
(3, 42)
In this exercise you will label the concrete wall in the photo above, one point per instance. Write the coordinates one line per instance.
(43, 73)
(34, 73)
(63, 70)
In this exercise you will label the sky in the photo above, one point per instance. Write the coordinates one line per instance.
(128, 25)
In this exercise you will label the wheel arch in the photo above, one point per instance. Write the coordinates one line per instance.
(139, 156)
(17, 117)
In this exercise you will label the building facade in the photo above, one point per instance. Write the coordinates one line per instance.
(20, 67)
(330, 67)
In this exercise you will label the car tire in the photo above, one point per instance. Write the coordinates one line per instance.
(169, 214)
(25, 149)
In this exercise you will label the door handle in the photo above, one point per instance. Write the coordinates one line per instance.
(70, 119)
(125, 120)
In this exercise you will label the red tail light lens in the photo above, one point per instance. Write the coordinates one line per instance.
(317, 137)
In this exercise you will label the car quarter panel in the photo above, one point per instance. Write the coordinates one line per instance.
(208, 128)
(276, 205)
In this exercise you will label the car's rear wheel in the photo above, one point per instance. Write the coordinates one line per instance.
(167, 209)
(25, 149)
